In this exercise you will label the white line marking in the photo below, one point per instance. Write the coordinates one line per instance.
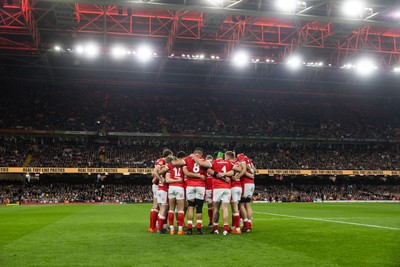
(327, 220)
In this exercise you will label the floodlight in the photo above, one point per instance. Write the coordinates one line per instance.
(353, 8)
(241, 58)
(118, 52)
(79, 49)
(201, 56)
(396, 70)
(92, 50)
(294, 62)
(365, 66)
(216, 2)
(57, 48)
(212, 57)
(144, 53)
(286, 5)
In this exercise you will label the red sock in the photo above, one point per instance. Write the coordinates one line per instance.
(198, 224)
(153, 218)
(160, 222)
(226, 227)
(181, 217)
(246, 225)
(171, 217)
(210, 214)
(215, 227)
(190, 224)
(236, 220)
(250, 224)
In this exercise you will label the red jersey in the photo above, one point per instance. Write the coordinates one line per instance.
(192, 166)
(160, 162)
(236, 183)
(176, 173)
(209, 179)
(244, 179)
(221, 166)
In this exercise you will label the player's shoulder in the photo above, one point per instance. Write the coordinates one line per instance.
(160, 161)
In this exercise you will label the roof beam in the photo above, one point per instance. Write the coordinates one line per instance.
(245, 12)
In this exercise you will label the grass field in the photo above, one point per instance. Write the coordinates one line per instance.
(285, 234)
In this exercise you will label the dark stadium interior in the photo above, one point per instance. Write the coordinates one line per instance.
(58, 106)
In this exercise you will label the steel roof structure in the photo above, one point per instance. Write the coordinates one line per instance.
(179, 31)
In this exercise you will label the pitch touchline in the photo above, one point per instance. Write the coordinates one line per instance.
(327, 220)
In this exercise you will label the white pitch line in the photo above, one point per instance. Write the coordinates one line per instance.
(327, 220)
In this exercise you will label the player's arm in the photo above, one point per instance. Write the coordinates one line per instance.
(169, 180)
(178, 163)
(249, 175)
(253, 168)
(155, 180)
(242, 171)
(192, 174)
(220, 175)
(156, 173)
(202, 163)
(163, 170)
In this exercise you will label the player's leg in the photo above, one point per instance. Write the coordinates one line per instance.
(217, 193)
(209, 206)
(171, 211)
(225, 200)
(162, 198)
(249, 191)
(199, 200)
(181, 215)
(180, 202)
(236, 195)
(154, 210)
(190, 196)
(243, 213)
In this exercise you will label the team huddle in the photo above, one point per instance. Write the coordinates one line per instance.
(184, 182)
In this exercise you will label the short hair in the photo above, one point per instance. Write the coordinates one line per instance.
(230, 154)
(209, 157)
(169, 159)
(198, 150)
(166, 153)
(180, 154)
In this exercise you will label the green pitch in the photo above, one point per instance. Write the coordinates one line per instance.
(285, 234)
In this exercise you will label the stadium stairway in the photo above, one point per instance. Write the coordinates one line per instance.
(27, 160)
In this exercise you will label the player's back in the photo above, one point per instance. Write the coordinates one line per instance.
(176, 173)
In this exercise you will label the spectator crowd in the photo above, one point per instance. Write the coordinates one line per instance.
(59, 192)
(132, 153)
(233, 113)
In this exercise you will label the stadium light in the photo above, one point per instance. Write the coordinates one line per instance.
(286, 5)
(396, 70)
(144, 53)
(365, 67)
(92, 50)
(118, 52)
(353, 8)
(241, 58)
(79, 49)
(294, 62)
(290, 5)
(57, 48)
(216, 2)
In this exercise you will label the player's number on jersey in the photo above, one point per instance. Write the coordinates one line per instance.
(224, 169)
(196, 168)
(177, 173)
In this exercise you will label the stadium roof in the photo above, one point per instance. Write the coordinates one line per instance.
(192, 43)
